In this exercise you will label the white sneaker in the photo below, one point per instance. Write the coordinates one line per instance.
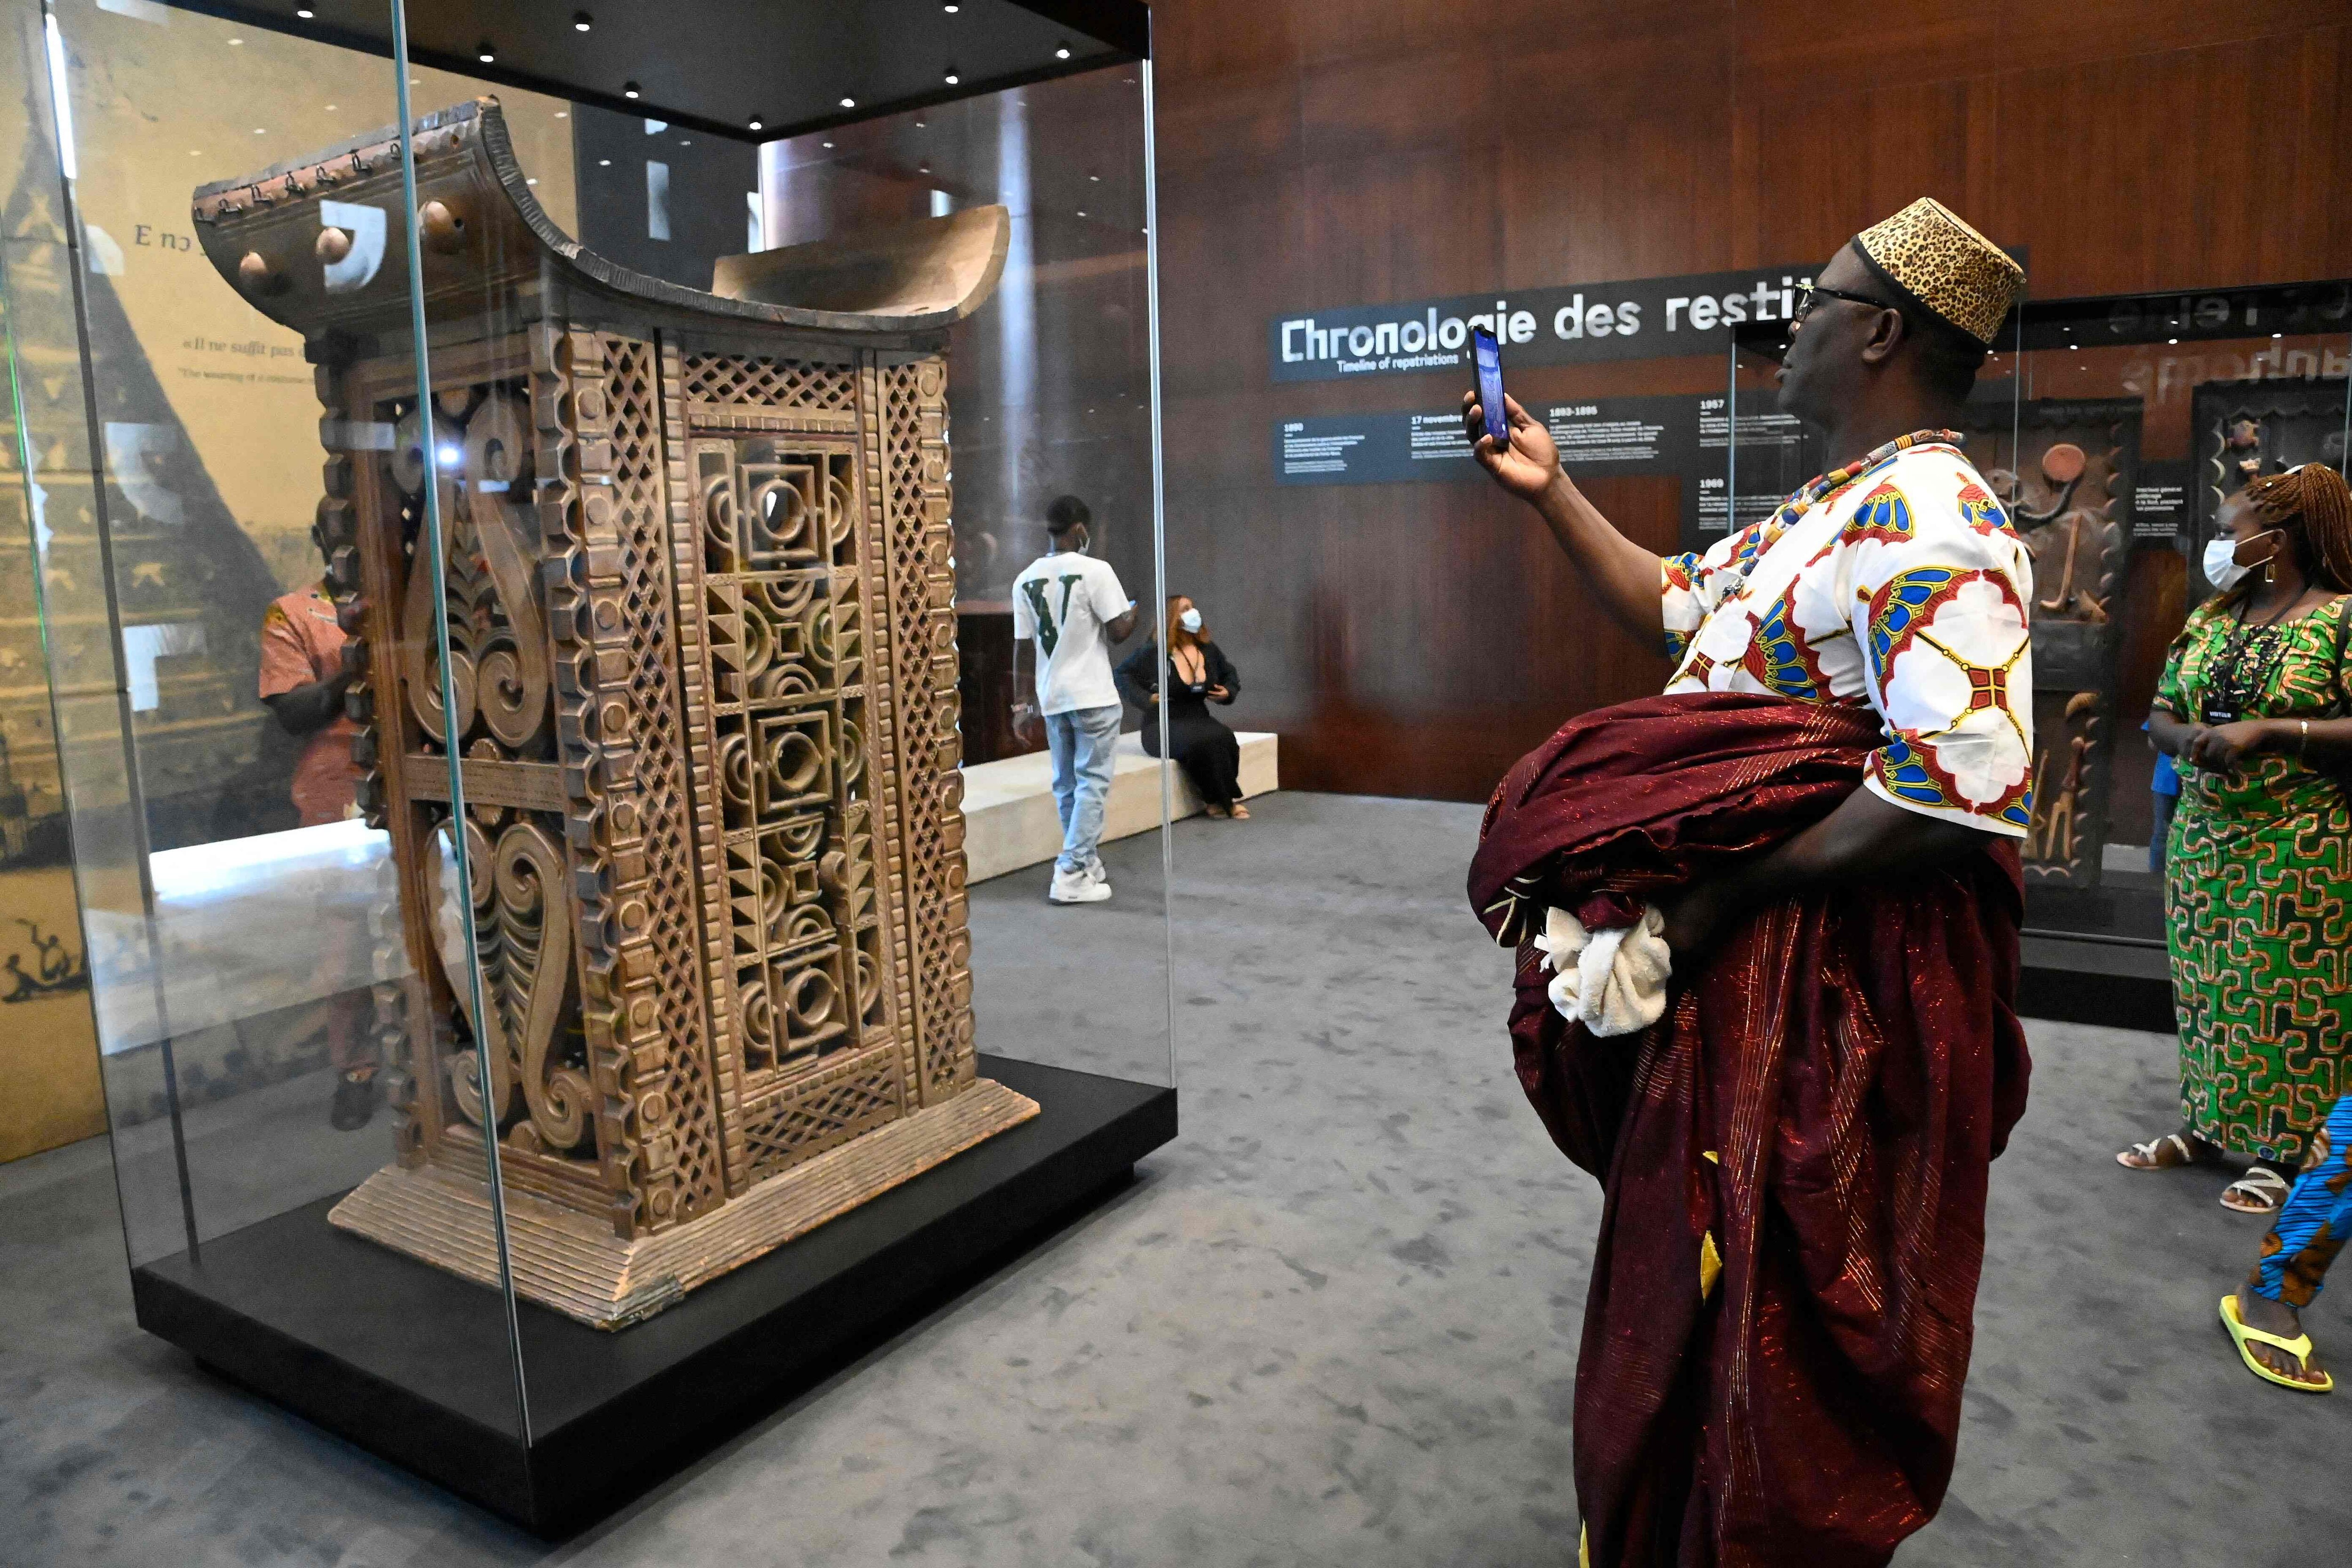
(1098, 870)
(1076, 888)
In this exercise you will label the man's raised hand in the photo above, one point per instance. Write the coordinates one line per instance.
(1529, 465)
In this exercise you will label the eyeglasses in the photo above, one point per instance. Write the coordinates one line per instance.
(1812, 297)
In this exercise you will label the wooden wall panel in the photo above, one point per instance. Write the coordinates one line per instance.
(1414, 639)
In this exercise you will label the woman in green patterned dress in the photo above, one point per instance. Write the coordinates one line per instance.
(2258, 895)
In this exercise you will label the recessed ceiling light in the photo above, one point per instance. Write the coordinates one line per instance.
(951, 9)
(2172, 340)
(562, 114)
(603, 162)
(484, 53)
(531, 180)
(257, 131)
(953, 79)
(755, 125)
(918, 125)
(582, 21)
(829, 143)
(1095, 179)
(237, 43)
(923, 169)
(1082, 212)
(1062, 53)
(848, 103)
(2278, 335)
(304, 11)
(630, 90)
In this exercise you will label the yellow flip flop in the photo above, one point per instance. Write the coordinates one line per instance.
(2298, 1347)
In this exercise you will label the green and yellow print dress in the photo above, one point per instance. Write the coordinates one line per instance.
(2258, 895)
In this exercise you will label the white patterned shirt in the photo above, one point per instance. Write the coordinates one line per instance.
(1896, 582)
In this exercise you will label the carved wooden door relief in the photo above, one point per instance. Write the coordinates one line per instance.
(775, 521)
(666, 706)
(694, 561)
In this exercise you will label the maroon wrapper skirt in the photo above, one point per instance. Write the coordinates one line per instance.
(1815, 1113)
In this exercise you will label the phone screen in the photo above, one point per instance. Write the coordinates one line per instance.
(1488, 355)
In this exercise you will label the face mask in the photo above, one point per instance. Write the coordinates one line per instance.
(1190, 620)
(2221, 568)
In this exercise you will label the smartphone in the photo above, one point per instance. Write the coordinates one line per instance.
(1488, 355)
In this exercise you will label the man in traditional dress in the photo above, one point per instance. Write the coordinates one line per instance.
(1815, 832)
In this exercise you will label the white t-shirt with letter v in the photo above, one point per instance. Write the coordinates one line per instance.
(1063, 601)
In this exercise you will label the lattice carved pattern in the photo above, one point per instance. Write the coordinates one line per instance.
(922, 597)
(603, 526)
(774, 573)
(769, 382)
(827, 1109)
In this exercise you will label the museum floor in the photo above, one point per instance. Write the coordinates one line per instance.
(1334, 1323)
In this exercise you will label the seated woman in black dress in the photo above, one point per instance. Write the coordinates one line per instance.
(1196, 673)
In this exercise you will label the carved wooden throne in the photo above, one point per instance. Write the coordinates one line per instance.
(703, 650)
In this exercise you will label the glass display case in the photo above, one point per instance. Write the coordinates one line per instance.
(564, 897)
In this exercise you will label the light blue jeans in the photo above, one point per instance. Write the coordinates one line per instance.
(1082, 742)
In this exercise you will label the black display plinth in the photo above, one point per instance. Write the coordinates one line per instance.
(412, 1364)
(2078, 980)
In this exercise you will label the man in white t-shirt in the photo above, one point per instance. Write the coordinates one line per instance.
(1070, 608)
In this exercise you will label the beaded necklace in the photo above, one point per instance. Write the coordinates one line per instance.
(2233, 687)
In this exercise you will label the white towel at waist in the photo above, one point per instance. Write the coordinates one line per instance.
(1611, 982)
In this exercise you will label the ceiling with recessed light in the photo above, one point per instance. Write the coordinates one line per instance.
(791, 66)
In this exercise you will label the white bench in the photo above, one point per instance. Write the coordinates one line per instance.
(1008, 805)
(247, 926)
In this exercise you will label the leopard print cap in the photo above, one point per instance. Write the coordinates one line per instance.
(1927, 250)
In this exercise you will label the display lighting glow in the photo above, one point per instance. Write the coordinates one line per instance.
(448, 454)
(582, 21)
(59, 98)
(630, 90)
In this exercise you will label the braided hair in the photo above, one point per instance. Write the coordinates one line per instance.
(2317, 497)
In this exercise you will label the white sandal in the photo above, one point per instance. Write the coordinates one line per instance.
(2262, 1192)
(2146, 1152)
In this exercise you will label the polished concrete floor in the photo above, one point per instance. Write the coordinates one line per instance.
(1334, 1324)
